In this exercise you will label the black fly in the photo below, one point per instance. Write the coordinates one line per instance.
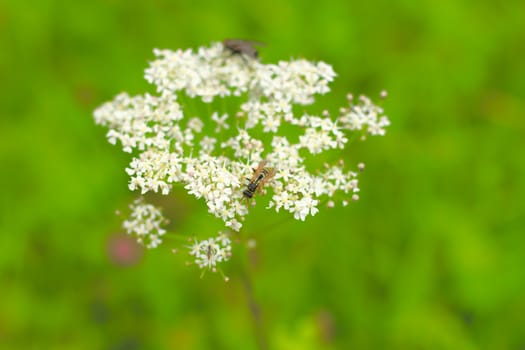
(242, 47)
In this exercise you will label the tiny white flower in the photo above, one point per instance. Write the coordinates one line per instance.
(221, 121)
(195, 124)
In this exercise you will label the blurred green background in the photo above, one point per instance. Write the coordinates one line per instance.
(431, 257)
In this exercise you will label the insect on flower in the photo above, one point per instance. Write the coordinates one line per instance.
(242, 47)
(261, 175)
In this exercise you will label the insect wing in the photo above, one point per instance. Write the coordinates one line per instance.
(269, 175)
(257, 171)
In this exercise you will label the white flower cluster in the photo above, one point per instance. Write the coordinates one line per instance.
(145, 222)
(211, 155)
(209, 252)
(364, 115)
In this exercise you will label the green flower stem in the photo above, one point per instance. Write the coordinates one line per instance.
(253, 305)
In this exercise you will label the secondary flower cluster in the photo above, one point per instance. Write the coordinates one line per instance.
(145, 222)
(211, 251)
(212, 153)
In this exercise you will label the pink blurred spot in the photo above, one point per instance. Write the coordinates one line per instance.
(124, 250)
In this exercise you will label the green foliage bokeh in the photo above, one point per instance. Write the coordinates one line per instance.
(431, 257)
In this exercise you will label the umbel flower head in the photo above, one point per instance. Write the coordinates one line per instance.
(212, 153)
